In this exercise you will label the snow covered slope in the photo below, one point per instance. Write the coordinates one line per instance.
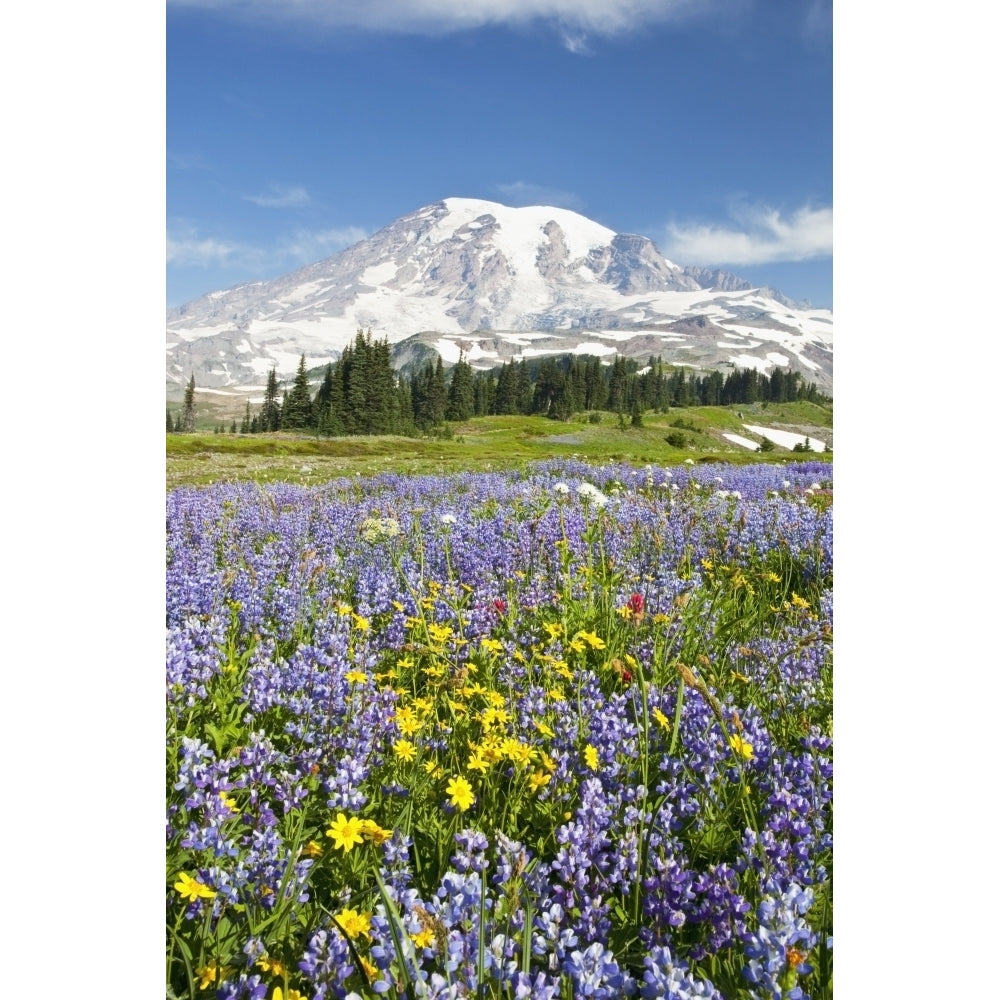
(498, 283)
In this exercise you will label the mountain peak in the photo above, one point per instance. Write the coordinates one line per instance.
(477, 272)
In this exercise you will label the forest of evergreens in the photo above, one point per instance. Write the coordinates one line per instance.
(363, 394)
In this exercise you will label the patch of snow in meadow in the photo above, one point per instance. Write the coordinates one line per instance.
(787, 439)
(742, 441)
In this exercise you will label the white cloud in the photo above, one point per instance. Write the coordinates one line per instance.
(521, 193)
(306, 247)
(761, 236)
(574, 17)
(187, 248)
(280, 197)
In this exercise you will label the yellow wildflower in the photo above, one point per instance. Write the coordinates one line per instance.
(592, 639)
(406, 720)
(538, 779)
(345, 832)
(404, 750)
(191, 889)
(208, 974)
(354, 924)
(661, 719)
(355, 677)
(228, 801)
(494, 717)
(590, 756)
(370, 830)
(424, 938)
(741, 746)
(271, 965)
(543, 728)
(461, 793)
(312, 849)
(361, 623)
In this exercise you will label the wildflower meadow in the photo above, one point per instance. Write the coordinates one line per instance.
(551, 733)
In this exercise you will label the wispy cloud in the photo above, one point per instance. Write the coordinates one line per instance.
(575, 19)
(306, 246)
(186, 247)
(187, 161)
(280, 197)
(522, 193)
(756, 235)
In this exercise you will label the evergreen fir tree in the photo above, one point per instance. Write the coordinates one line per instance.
(297, 413)
(461, 391)
(187, 419)
(270, 413)
(170, 423)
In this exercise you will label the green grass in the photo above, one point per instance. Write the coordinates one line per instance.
(485, 443)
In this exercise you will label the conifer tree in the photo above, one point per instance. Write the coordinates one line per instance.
(270, 413)
(297, 413)
(461, 391)
(170, 423)
(187, 419)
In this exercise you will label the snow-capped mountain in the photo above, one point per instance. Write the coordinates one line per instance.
(497, 283)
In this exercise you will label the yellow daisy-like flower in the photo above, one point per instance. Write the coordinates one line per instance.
(408, 722)
(404, 750)
(355, 677)
(494, 717)
(208, 974)
(478, 763)
(292, 995)
(433, 768)
(661, 719)
(424, 938)
(799, 602)
(354, 924)
(345, 832)
(370, 830)
(191, 889)
(592, 639)
(590, 756)
(271, 965)
(543, 728)
(491, 645)
(361, 623)
(229, 802)
(312, 849)
(538, 779)
(461, 793)
(742, 747)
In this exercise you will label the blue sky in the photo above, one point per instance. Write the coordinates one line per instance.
(294, 130)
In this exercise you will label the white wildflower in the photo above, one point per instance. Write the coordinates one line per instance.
(378, 529)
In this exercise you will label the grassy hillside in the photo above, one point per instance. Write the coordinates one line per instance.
(489, 442)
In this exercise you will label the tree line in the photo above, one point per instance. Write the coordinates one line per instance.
(363, 394)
